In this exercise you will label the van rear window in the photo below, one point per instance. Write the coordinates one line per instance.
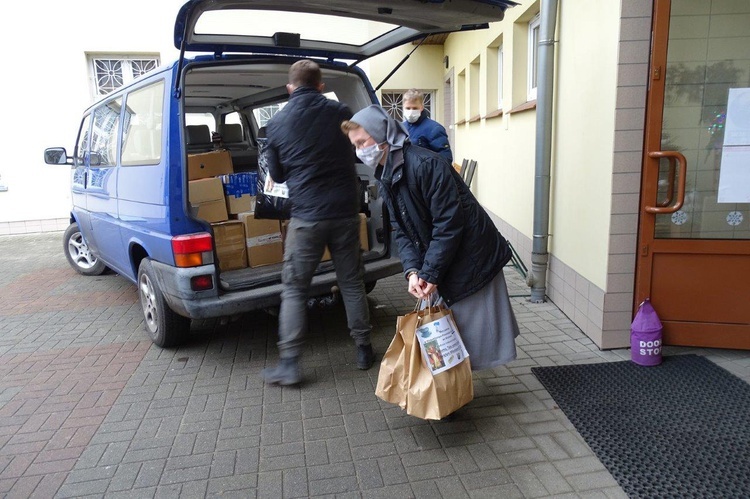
(141, 137)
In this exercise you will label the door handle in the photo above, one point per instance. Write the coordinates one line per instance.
(670, 185)
(672, 156)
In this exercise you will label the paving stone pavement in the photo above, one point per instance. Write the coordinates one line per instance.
(90, 408)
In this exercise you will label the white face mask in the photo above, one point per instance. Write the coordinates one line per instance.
(412, 115)
(370, 155)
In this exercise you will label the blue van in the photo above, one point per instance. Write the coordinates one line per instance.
(131, 210)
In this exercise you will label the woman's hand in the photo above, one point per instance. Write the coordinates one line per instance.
(419, 288)
(414, 288)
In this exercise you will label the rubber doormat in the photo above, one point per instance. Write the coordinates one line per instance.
(680, 429)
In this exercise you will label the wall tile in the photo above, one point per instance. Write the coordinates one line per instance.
(624, 224)
(626, 183)
(621, 264)
(596, 296)
(628, 140)
(623, 244)
(620, 283)
(630, 119)
(631, 97)
(636, 8)
(635, 28)
(582, 286)
(618, 302)
(634, 52)
(629, 75)
(627, 162)
(623, 204)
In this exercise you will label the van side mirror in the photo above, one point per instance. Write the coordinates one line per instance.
(95, 159)
(57, 156)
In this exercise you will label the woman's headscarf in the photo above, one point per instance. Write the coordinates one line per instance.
(381, 126)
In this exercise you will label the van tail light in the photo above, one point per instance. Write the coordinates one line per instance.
(193, 250)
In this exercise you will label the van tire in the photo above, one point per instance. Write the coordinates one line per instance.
(78, 254)
(165, 327)
(369, 286)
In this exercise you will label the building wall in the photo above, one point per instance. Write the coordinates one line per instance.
(49, 88)
(584, 136)
(605, 312)
(602, 53)
(504, 145)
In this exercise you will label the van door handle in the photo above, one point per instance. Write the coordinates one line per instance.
(672, 156)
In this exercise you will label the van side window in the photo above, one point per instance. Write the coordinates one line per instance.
(82, 148)
(142, 126)
(104, 134)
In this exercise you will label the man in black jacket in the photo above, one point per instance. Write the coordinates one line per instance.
(307, 150)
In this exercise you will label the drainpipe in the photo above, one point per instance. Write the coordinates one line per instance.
(545, 80)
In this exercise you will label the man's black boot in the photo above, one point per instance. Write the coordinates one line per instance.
(365, 357)
(286, 372)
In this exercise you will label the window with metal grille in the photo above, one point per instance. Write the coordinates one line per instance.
(110, 72)
(393, 103)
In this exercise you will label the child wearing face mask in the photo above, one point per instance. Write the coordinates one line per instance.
(423, 131)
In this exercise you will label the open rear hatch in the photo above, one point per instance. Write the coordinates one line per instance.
(262, 28)
(259, 26)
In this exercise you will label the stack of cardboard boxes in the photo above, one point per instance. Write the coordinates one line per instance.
(227, 200)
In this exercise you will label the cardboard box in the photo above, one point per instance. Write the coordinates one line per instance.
(204, 190)
(206, 198)
(364, 241)
(229, 238)
(263, 240)
(241, 204)
(211, 211)
(209, 164)
(240, 190)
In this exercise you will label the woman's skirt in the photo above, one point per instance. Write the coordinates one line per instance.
(488, 325)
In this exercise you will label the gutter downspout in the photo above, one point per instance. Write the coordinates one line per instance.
(546, 72)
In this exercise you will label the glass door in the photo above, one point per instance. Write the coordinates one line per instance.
(694, 240)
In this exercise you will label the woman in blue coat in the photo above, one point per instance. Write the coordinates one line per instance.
(446, 241)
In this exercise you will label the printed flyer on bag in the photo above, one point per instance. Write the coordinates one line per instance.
(441, 344)
(271, 188)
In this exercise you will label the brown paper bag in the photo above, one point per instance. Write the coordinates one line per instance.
(406, 380)
(394, 368)
(434, 397)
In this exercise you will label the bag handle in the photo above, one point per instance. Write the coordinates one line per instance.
(428, 308)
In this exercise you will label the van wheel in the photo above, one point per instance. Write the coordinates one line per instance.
(78, 254)
(369, 286)
(165, 327)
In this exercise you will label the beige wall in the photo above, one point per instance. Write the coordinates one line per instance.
(583, 176)
(584, 136)
(504, 146)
